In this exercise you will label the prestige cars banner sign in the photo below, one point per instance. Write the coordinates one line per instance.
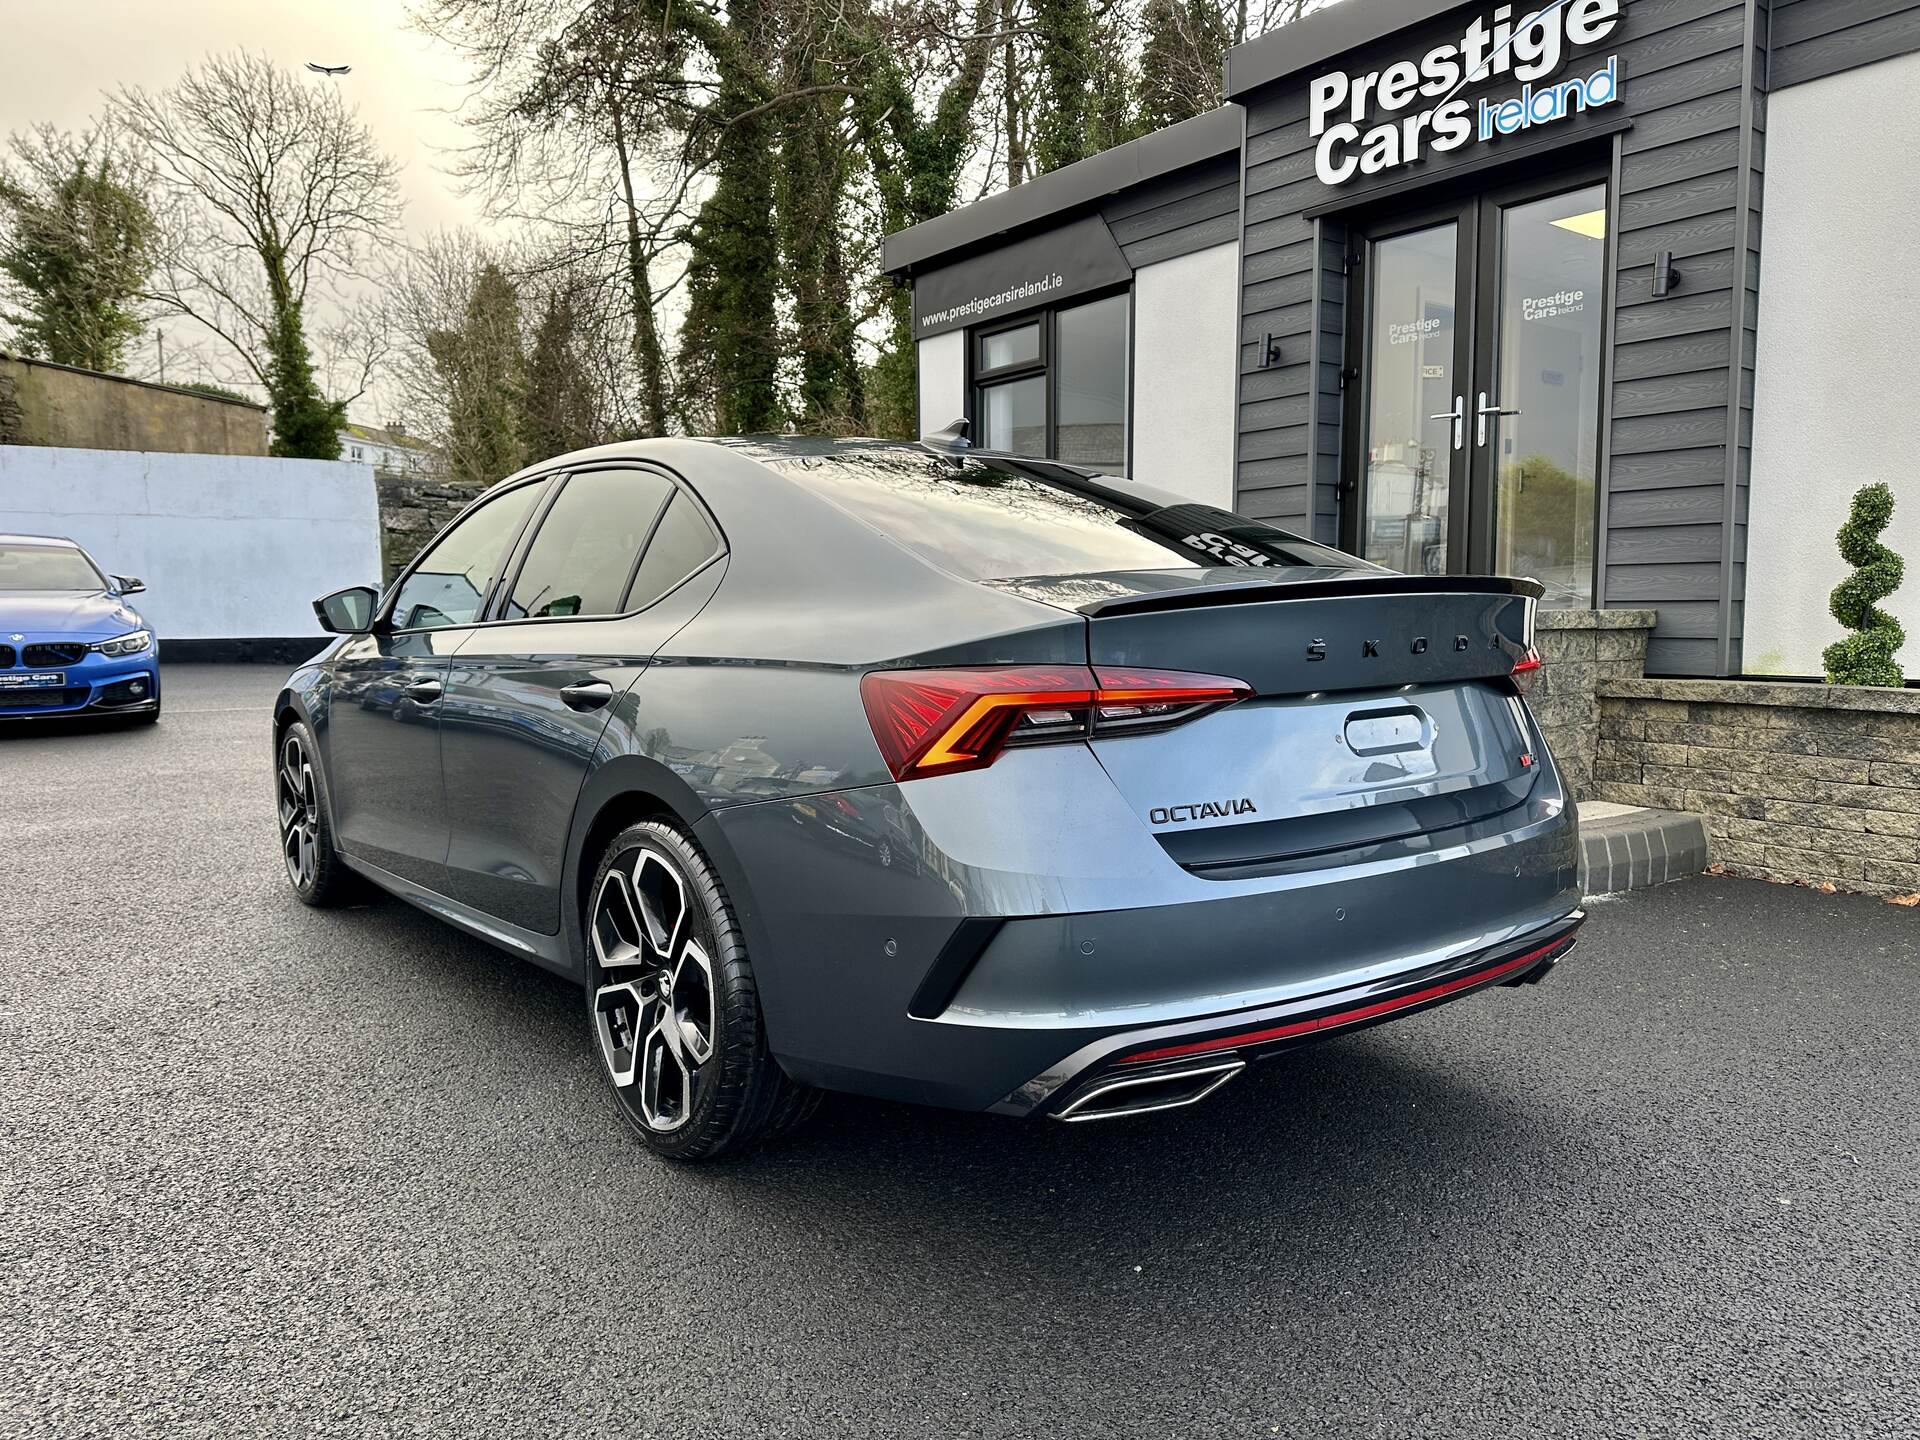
(1376, 121)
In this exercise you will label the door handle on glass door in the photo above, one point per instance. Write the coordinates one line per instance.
(1458, 415)
(1480, 430)
(586, 695)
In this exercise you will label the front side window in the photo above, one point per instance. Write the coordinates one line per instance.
(1055, 386)
(451, 582)
(580, 561)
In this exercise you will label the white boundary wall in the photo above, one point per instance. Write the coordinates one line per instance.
(1839, 346)
(231, 546)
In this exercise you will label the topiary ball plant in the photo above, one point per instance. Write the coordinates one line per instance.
(1866, 658)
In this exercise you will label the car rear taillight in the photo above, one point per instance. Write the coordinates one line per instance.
(935, 722)
(1526, 670)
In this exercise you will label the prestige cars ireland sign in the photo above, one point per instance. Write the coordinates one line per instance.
(1374, 122)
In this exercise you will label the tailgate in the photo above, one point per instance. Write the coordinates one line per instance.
(1382, 712)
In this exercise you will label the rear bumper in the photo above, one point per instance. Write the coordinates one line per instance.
(1217, 1048)
(922, 943)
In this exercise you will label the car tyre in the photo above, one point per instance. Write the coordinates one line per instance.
(672, 1005)
(314, 867)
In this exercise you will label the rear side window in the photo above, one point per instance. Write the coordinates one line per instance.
(579, 562)
(989, 519)
(451, 582)
(683, 543)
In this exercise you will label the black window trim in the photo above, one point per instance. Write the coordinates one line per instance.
(503, 592)
(1043, 357)
(980, 379)
(384, 616)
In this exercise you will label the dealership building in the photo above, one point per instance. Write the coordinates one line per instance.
(1620, 294)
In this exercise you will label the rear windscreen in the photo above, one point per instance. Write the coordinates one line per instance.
(985, 518)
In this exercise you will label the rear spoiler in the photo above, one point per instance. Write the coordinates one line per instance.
(1270, 590)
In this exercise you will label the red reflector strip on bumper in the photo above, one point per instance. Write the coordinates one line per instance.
(1294, 1029)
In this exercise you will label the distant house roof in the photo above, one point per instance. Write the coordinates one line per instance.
(386, 435)
(1058, 193)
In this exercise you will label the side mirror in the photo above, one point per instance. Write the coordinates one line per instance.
(129, 584)
(349, 611)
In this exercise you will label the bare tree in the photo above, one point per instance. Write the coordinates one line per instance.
(275, 194)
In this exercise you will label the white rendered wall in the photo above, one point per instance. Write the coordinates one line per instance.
(231, 546)
(943, 380)
(1835, 404)
(1186, 320)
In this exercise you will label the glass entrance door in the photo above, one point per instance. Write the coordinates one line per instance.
(1414, 448)
(1476, 431)
(1541, 405)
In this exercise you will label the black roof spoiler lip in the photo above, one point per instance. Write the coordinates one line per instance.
(1254, 592)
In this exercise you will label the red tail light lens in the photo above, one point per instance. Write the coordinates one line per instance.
(1526, 671)
(935, 722)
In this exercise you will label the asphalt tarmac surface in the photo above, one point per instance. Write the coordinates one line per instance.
(272, 1171)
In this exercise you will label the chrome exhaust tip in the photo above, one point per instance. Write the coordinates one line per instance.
(1121, 1095)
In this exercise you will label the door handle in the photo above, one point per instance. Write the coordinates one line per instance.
(1458, 415)
(424, 692)
(586, 694)
(1480, 432)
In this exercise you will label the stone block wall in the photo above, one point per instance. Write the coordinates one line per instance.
(1808, 783)
(413, 507)
(1583, 649)
(56, 405)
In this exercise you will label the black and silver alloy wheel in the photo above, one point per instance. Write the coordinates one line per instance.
(655, 1012)
(306, 832)
(672, 1000)
(299, 810)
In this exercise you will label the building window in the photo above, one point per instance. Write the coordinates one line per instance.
(1054, 385)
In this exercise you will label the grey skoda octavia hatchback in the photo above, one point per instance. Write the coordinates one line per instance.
(943, 776)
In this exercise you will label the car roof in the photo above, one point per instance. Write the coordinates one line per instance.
(771, 449)
(54, 540)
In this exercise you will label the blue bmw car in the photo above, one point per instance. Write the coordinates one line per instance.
(70, 641)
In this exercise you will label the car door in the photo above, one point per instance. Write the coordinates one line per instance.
(529, 694)
(382, 730)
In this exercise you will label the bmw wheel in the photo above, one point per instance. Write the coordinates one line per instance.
(673, 1006)
(306, 829)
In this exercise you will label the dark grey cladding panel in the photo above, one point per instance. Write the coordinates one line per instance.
(1816, 38)
(1072, 259)
(1308, 43)
(1171, 215)
(1071, 190)
(1687, 181)
(1179, 213)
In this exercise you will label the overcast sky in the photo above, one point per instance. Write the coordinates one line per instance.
(56, 56)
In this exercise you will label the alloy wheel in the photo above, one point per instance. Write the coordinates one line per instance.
(299, 812)
(655, 1011)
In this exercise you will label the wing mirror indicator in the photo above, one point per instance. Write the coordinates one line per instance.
(349, 611)
(936, 722)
